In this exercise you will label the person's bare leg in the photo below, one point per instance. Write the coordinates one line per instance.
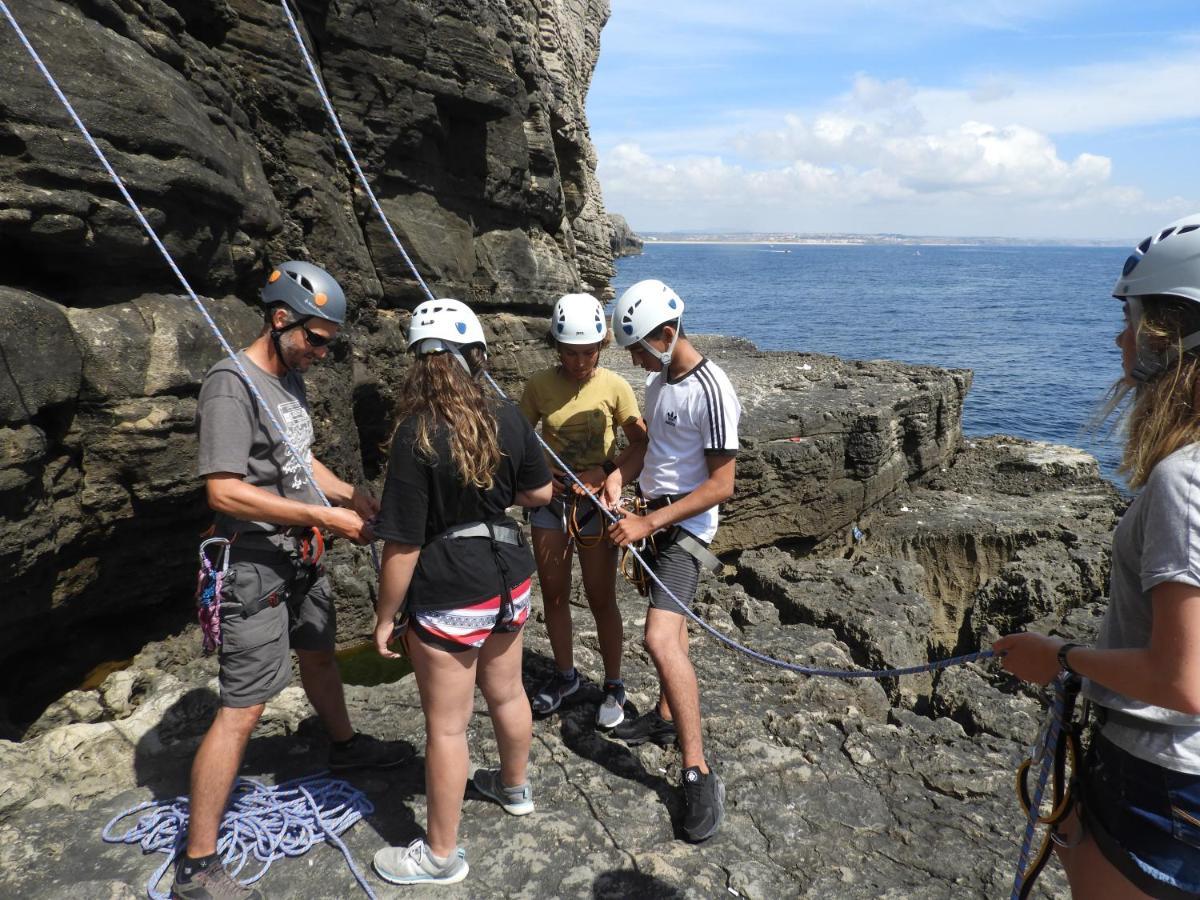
(499, 677)
(1089, 872)
(664, 705)
(552, 551)
(666, 639)
(323, 684)
(599, 567)
(447, 684)
(213, 772)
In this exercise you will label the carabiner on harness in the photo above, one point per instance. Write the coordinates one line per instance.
(208, 591)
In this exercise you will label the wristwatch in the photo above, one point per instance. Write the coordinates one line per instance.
(1062, 657)
(608, 466)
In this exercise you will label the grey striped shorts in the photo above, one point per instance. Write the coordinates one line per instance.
(678, 570)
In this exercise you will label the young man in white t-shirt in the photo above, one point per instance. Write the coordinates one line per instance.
(685, 470)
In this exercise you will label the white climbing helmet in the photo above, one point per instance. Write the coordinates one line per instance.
(444, 326)
(578, 319)
(1166, 263)
(641, 309)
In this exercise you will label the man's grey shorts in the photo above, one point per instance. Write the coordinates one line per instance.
(550, 517)
(678, 570)
(255, 660)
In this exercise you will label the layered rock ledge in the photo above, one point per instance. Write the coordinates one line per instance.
(848, 789)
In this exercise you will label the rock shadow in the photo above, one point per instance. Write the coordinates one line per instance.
(620, 884)
(577, 730)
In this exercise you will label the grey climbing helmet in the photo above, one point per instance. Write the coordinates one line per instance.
(306, 289)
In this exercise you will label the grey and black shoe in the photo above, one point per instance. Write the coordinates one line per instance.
(551, 694)
(365, 752)
(648, 727)
(516, 800)
(211, 883)
(613, 708)
(703, 804)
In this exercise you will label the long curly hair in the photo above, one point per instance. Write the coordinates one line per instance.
(438, 394)
(1163, 416)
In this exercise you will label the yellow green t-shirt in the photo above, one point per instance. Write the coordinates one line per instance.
(580, 420)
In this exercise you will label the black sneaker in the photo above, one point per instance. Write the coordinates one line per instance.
(212, 883)
(551, 694)
(703, 804)
(365, 752)
(649, 727)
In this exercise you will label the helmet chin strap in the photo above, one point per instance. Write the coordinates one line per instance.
(275, 334)
(664, 356)
(437, 345)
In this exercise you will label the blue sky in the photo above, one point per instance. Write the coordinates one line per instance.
(1055, 118)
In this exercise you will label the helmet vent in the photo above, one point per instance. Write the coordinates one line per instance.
(1187, 228)
(1130, 264)
(1166, 234)
(1145, 245)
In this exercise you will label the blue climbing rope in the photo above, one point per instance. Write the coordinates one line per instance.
(1043, 756)
(154, 238)
(753, 654)
(166, 255)
(262, 824)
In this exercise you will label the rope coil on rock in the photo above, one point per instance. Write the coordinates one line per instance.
(262, 824)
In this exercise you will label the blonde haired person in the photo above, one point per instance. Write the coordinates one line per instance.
(460, 567)
(1136, 830)
(580, 406)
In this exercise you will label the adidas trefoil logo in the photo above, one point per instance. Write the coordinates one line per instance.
(672, 418)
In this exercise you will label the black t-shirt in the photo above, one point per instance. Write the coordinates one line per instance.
(423, 500)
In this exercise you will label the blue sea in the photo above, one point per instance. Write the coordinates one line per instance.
(1036, 324)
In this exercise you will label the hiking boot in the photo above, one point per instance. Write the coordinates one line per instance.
(517, 801)
(612, 710)
(550, 695)
(415, 864)
(212, 883)
(365, 752)
(649, 727)
(703, 804)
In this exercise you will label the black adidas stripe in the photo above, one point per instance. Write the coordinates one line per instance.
(716, 406)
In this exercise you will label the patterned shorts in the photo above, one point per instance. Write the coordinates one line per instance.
(468, 627)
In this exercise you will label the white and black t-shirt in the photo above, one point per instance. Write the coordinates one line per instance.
(689, 418)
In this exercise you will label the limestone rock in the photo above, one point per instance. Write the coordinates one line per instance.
(624, 241)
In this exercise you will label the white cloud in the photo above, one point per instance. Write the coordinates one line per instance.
(976, 179)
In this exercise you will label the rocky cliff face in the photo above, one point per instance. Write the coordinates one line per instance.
(624, 241)
(468, 118)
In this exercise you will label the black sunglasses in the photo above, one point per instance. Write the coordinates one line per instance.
(317, 340)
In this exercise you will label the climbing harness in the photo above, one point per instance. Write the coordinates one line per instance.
(633, 568)
(574, 523)
(1054, 754)
(208, 592)
(262, 823)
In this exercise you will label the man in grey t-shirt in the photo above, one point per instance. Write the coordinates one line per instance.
(275, 598)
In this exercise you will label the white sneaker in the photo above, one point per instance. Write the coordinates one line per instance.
(517, 801)
(414, 864)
